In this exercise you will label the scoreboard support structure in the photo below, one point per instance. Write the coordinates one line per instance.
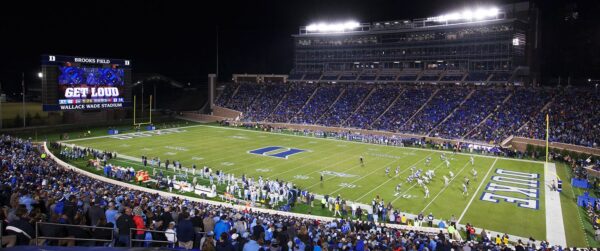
(134, 113)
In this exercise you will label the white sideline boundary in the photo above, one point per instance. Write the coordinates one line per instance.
(555, 228)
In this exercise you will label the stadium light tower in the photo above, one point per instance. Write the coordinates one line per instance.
(468, 15)
(332, 27)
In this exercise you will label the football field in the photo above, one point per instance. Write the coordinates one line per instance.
(506, 195)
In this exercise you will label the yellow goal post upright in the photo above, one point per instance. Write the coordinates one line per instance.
(134, 113)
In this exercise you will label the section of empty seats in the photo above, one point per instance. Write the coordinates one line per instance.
(477, 77)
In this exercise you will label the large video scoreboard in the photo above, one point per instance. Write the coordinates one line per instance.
(85, 83)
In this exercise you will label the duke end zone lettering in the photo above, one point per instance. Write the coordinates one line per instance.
(505, 181)
(90, 106)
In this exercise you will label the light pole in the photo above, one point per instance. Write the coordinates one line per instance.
(0, 105)
(23, 92)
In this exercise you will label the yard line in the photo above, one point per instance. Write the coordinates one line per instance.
(377, 169)
(365, 194)
(443, 189)
(316, 160)
(477, 191)
(355, 142)
(353, 167)
(411, 187)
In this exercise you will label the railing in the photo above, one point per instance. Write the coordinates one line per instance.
(38, 237)
(132, 239)
(171, 244)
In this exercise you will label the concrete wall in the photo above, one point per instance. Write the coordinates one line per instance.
(362, 131)
(226, 112)
(521, 143)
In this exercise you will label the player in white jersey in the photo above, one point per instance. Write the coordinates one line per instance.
(466, 181)
(446, 180)
(427, 161)
(474, 174)
(397, 171)
(398, 188)
(472, 161)
(387, 171)
(447, 163)
(426, 192)
(451, 175)
(465, 190)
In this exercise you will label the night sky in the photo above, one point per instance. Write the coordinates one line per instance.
(178, 38)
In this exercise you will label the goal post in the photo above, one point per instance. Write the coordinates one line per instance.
(138, 124)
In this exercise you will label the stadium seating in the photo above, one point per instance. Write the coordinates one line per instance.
(81, 200)
(486, 116)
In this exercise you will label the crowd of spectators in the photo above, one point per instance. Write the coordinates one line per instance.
(573, 119)
(438, 108)
(523, 105)
(401, 111)
(36, 191)
(520, 115)
(376, 104)
(345, 106)
(295, 99)
(323, 98)
(266, 103)
(481, 103)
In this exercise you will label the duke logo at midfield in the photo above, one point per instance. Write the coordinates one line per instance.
(276, 151)
(505, 181)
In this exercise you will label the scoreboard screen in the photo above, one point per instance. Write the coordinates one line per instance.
(83, 83)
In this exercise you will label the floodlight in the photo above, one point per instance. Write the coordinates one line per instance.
(334, 27)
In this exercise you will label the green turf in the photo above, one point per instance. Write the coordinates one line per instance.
(227, 149)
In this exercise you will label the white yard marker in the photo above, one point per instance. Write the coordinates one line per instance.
(477, 191)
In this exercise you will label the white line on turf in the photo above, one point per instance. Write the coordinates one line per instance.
(411, 187)
(364, 176)
(477, 191)
(443, 189)
(355, 142)
(406, 169)
(353, 167)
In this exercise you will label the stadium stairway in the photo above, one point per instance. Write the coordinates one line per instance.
(388, 108)
(488, 116)
(359, 106)
(237, 88)
(269, 117)
(422, 106)
(546, 107)
(302, 108)
(332, 104)
(451, 113)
